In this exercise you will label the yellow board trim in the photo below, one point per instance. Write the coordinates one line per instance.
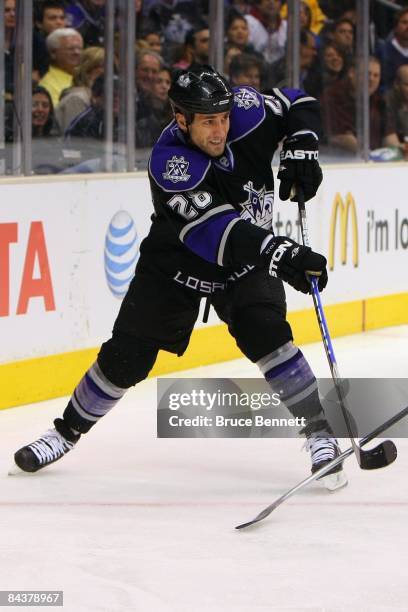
(34, 380)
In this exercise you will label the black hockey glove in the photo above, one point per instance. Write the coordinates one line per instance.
(299, 165)
(291, 262)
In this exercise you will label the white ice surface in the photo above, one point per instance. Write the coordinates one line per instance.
(130, 522)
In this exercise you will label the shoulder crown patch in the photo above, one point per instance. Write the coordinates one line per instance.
(176, 169)
(245, 98)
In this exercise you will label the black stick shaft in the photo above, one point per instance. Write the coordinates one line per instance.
(374, 434)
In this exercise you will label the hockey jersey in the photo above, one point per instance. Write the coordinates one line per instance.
(212, 214)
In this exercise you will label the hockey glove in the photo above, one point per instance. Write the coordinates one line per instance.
(299, 165)
(292, 263)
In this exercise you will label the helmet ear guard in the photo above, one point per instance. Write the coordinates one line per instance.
(201, 90)
(189, 117)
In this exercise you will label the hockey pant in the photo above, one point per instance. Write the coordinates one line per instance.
(157, 313)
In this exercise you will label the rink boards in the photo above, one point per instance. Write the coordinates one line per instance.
(68, 246)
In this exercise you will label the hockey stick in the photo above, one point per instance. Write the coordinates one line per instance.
(386, 452)
(379, 430)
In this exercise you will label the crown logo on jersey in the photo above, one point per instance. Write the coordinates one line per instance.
(258, 208)
(176, 169)
(246, 99)
(184, 80)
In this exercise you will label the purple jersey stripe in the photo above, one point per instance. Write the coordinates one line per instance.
(204, 239)
(294, 94)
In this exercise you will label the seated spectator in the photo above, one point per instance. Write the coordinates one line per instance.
(49, 15)
(237, 33)
(162, 84)
(76, 99)
(395, 50)
(46, 149)
(333, 63)
(195, 49)
(198, 41)
(383, 19)
(148, 64)
(88, 18)
(64, 48)
(309, 64)
(182, 55)
(239, 6)
(309, 67)
(9, 30)
(42, 115)
(311, 15)
(246, 70)
(228, 57)
(267, 30)
(337, 9)
(342, 34)
(339, 110)
(43, 123)
(396, 100)
(142, 21)
(91, 123)
(149, 128)
(148, 67)
(154, 41)
(305, 16)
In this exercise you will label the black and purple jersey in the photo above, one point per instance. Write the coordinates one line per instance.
(212, 214)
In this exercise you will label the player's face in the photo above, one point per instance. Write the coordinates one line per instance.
(209, 132)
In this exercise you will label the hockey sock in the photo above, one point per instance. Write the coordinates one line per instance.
(289, 374)
(93, 397)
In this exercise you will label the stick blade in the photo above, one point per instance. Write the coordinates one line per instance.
(260, 517)
(382, 455)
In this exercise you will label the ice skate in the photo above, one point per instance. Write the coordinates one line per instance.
(53, 445)
(323, 450)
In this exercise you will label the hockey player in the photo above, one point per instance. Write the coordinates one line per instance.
(212, 187)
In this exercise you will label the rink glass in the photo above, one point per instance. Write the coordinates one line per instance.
(117, 150)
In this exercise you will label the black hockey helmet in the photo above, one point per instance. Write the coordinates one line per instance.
(201, 90)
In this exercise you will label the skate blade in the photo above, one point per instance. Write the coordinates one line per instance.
(333, 482)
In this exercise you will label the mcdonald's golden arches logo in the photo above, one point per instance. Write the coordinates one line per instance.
(344, 210)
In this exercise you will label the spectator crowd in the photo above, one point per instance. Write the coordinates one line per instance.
(68, 66)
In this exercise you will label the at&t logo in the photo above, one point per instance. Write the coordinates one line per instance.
(121, 253)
